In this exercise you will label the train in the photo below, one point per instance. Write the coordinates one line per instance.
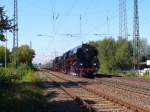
(80, 61)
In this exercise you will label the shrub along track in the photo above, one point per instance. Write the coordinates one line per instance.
(93, 98)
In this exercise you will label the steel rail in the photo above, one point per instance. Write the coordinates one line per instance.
(129, 105)
(77, 99)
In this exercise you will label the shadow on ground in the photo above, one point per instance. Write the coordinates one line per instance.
(29, 97)
(23, 97)
(106, 76)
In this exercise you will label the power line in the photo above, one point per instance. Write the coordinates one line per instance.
(73, 4)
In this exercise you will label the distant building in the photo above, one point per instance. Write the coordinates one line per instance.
(145, 68)
(148, 62)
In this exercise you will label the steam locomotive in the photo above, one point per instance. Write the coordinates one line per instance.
(80, 61)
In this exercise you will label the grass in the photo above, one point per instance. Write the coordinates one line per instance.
(30, 76)
(121, 73)
(21, 94)
(22, 97)
(147, 76)
(113, 73)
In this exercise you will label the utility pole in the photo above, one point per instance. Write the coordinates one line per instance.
(136, 36)
(107, 25)
(54, 23)
(80, 25)
(6, 50)
(15, 32)
(31, 44)
(123, 29)
(55, 18)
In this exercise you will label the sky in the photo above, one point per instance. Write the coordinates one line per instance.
(36, 17)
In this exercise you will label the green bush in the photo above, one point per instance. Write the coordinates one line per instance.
(11, 74)
(131, 74)
(6, 75)
(31, 76)
(22, 70)
(146, 75)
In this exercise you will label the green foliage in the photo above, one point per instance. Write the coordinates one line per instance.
(2, 37)
(123, 55)
(22, 94)
(5, 76)
(25, 54)
(114, 55)
(23, 97)
(107, 51)
(30, 76)
(22, 70)
(146, 75)
(2, 55)
(5, 23)
(11, 74)
(148, 57)
(131, 74)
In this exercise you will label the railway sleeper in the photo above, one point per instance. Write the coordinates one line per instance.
(101, 94)
(116, 100)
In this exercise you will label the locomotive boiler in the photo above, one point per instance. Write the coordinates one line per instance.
(80, 61)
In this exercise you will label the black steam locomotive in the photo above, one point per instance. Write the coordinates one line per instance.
(81, 61)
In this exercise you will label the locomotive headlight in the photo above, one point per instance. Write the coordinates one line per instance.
(94, 64)
(87, 49)
(81, 64)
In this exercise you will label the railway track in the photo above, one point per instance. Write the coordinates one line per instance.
(124, 93)
(105, 94)
(119, 84)
(135, 83)
(86, 98)
(136, 79)
(130, 91)
(145, 92)
(62, 102)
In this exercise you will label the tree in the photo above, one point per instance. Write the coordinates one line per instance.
(5, 24)
(148, 50)
(2, 55)
(25, 54)
(107, 51)
(123, 54)
(114, 55)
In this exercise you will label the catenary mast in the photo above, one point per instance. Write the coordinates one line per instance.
(15, 32)
(123, 29)
(136, 36)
